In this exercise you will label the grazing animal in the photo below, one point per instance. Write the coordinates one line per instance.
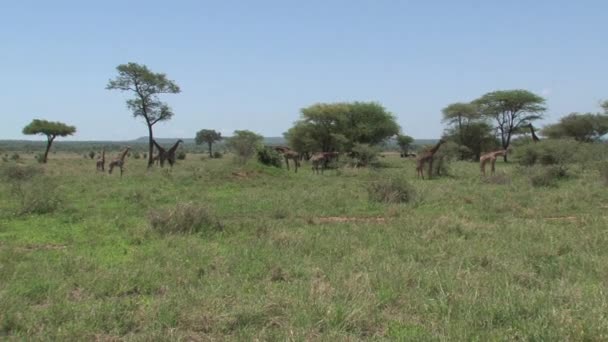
(119, 162)
(168, 155)
(321, 159)
(101, 162)
(491, 158)
(427, 157)
(289, 154)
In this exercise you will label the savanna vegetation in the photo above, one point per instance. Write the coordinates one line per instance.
(239, 248)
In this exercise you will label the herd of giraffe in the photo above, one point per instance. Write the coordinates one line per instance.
(319, 160)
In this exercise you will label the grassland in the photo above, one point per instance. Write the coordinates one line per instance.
(305, 257)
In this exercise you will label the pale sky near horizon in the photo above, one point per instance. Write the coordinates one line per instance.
(254, 64)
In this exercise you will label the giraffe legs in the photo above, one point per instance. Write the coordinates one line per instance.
(430, 168)
(493, 169)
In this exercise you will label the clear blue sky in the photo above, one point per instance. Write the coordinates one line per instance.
(255, 64)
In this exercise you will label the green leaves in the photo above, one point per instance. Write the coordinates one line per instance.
(146, 85)
(582, 127)
(339, 126)
(208, 136)
(48, 128)
(511, 109)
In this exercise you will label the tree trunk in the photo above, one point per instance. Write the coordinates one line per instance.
(210, 154)
(49, 141)
(151, 147)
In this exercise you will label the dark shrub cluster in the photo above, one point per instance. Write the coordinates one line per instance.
(391, 190)
(184, 218)
(547, 176)
(270, 157)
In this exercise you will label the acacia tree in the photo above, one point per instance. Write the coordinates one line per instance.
(587, 127)
(511, 109)
(404, 142)
(51, 129)
(340, 126)
(208, 136)
(244, 144)
(146, 85)
(461, 115)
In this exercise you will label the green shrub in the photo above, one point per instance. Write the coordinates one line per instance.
(181, 155)
(391, 190)
(13, 173)
(39, 196)
(184, 218)
(547, 176)
(91, 154)
(217, 154)
(35, 193)
(548, 152)
(270, 157)
(15, 156)
(364, 155)
(136, 155)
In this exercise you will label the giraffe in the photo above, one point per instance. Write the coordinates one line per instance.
(289, 154)
(119, 162)
(101, 162)
(321, 159)
(427, 156)
(491, 157)
(168, 155)
(534, 137)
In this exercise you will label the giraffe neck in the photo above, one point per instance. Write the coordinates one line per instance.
(174, 147)
(124, 154)
(436, 147)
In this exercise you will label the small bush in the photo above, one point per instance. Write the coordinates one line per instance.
(217, 154)
(364, 155)
(145, 155)
(548, 152)
(39, 197)
(270, 157)
(136, 155)
(603, 168)
(20, 173)
(35, 193)
(15, 156)
(91, 154)
(391, 190)
(181, 155)
(547, 176)
(184, 218)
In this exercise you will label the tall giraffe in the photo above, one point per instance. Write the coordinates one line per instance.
(168, 155)
(534, 137)
(427, 157)
(289, 154)
(119, 162)
(321, 159)
(491, 157)
(101, 162)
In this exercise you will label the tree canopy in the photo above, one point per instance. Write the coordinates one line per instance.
(146, 85)
(208, 136)
(52, 130)
(339, 126)
(404, 142)
(244, 143)
(511, 109)
(586, 127)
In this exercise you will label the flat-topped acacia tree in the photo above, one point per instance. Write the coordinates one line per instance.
(146, 85)
(208, 136)
(51, 129)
